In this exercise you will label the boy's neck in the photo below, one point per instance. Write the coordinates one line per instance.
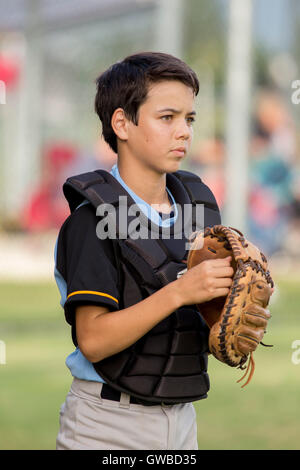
(147, 184)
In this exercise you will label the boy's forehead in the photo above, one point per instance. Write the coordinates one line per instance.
(170, 93)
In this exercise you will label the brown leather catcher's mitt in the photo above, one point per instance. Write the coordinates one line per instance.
(237, 322)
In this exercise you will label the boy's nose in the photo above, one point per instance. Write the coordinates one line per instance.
(183, 131)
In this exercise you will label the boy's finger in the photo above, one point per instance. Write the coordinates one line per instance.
(226, 271)
(221, 261)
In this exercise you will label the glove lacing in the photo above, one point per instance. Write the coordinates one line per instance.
(250, 369)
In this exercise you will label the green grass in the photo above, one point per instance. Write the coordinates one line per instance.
(35, 380)
(266, 413)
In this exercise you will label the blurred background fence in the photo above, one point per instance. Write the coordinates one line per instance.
(246, 148)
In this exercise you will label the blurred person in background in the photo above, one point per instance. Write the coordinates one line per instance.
(273, 201)
(207, 161)
(270, 195)
(101, 156)
(279, 174)
(292, 240)
(274, 118)
(45, 208)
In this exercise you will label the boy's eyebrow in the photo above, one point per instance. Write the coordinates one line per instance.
(175, 111)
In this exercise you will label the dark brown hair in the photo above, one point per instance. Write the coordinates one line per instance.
(125, 85)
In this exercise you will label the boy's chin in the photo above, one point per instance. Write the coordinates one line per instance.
(169, 167)
(173, 166)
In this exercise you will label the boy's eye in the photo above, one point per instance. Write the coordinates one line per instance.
(168, 117)
(190, 120)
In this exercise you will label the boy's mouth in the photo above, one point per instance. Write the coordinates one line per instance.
(180, 151)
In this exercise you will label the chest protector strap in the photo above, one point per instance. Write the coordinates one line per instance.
(169, 363)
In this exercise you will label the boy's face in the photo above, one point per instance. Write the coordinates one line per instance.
(164, 132)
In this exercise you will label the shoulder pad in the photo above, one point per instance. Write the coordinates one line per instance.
(198, 191)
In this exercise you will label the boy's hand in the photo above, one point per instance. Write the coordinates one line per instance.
(207, 280)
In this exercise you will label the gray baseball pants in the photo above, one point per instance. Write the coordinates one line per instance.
(87, 421)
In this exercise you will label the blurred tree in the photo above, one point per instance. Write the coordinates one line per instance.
(296, 55)
(206, 41)
(261, 76)
(205, 36)
(295, 8)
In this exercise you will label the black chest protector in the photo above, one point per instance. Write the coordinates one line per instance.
(169, 363)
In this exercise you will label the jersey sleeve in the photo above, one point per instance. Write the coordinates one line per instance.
(86, 263)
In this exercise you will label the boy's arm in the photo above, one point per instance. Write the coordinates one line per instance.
(101, 333)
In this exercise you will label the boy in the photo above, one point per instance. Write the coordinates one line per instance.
(141, 345)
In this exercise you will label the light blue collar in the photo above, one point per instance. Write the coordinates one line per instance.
(149, 211)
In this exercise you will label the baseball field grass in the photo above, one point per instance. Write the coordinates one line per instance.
(34, 380)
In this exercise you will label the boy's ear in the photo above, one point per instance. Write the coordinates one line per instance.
(119, 123)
